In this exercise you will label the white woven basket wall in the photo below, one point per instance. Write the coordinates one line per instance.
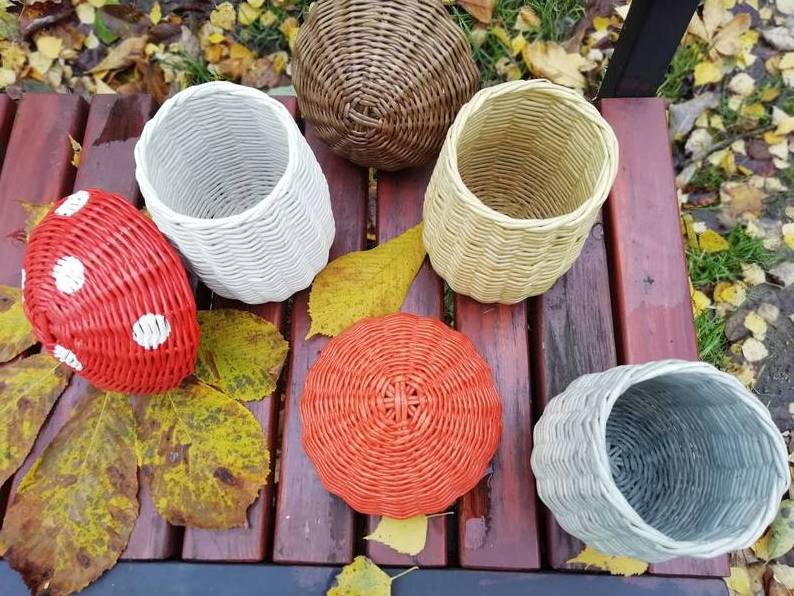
(230, 180)
(660, 460)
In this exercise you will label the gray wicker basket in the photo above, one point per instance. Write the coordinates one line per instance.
(660, 460)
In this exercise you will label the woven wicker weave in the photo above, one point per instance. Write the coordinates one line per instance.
(229, 178)
(108, 296)
(400, 416)
(381, 80)
(520, 180)
(660, 460)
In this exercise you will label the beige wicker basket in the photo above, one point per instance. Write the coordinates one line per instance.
(520, 180)
(382, 80)
(660, 460)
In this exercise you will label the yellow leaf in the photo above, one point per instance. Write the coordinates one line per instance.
(363, 578)
(482, 10)
(216, 37)
(50, 46)
(97, 3)
(517, 44)
(239, 51)
(550, 60)
(727, 41)
(771, 138)
(753, 111)
(707, 72)
(290, 29)
(39, 62)
(16, 334)
(739, 583)
(770, 94)
(527, 19)
(77, 151)
(689, 232)
(86, 13)
(711, 241)
(700, 302)
(365, 283)
(788, 235)
(268, 18)
(756, 325)
(786, 61)
(501, 34)
(28, 390)
(223, 16)
(761, 547)
(74, 510)
(601, 23)
(204, 454)
(256, 3)
(784, 126)
(7, 77)
(753, 274)
(36, 212)
(247, 13)
(507, 68)
(240, 353)
(406, 536)
(728, 162)
(156, 13)
(280, 61)
(783, 574)
(122, 55)
(626, 566)
(733, 294)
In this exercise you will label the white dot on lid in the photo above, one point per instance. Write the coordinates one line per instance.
(151, 331)
(66, 356)
(73, 203)
(22, 279)
(69, 274)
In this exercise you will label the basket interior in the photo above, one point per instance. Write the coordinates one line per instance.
(216, 155)
(528, 154)
(692, 459)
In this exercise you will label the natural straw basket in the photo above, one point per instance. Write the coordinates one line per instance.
(520, 180)
(229, 178)
(400, 416)
(108, 296)
(381, 80)
(660, 460)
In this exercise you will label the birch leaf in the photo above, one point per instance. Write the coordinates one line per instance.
(204, 454)
(35, 213)
(28, 390)
(550, 60)
(625, 566)
(779, 538)
(363, 578)
(16, 334)
(482, 10)
(727, 41)
(710, 242)
(240, 353)
(406, 536)
(74, 510)
(364, 284)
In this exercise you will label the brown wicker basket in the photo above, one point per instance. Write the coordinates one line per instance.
(382, 80)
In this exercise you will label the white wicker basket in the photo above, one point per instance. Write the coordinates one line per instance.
(660, 460)
(230, 180)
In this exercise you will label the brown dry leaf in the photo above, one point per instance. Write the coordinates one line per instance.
(713, 11)
(549, 60)
(77, 151)
(204, 454)
(16, 334)
(727, 41)
(123, 55)
(28, 390)
(262, 74)
(74, 510)
(740, 198)
(482, 10)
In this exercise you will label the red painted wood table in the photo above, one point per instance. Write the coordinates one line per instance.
(625, 300)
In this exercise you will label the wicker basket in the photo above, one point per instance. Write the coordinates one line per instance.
(229, 179)
(520, 180)
(382, 80)
(400, 416)
(660, 460)
(108, 296)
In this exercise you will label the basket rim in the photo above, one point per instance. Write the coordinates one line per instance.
(573, 218)
(643, 372)
(150, 195)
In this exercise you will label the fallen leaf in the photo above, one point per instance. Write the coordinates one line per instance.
(784, 574)
(262, 74)
(550, 60)
(16, 334)
(102, 31)
(788, 235)
(781, 38)
(363, 578)
(626, 566)
(86, 13)
(740, 197)
(223, 16)
(406, 536)
(39, 62)
(699, 142)
(785, 6)
(240, 353)
(35, 213)
(204, 455)
(527, 19)
(290, 29)
(753, 350)
(753, 274)
(700, 302)
(77, 151)
(779, 538)
(28, 390)
(247, 13)
(713, 12)
(364, 284)
(756, 325)
(74, 510)
(727, 40)
(768, 312)
(744, 582)
(49, 45)
(684, 114)
(707, 72)
(482, 10)
(123, 55)
(156, 13)
(710, 241)
(742, 84)
(733, 294)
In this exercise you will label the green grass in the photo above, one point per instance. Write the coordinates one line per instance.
(706, 269)
(712, 343)
(197, 71)
(557, 17)
(676, 85)
(707, 178)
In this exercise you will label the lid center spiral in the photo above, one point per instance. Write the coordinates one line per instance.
(400, 401)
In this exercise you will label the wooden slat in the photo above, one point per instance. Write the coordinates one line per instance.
(400, 199)
(572, 335)
(7, 110)
(37, 166)
(653, 315)
(250, 543)
(498, 518)
(312, 526)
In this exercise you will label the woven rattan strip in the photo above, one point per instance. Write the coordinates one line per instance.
(400, 416)
(660, 460)
(382, 80)
(108, 296)
(229, 178)
(520, 180)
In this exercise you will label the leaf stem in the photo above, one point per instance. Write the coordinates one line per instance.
(407, 571)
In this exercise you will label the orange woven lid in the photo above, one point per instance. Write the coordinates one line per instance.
(400, 416)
